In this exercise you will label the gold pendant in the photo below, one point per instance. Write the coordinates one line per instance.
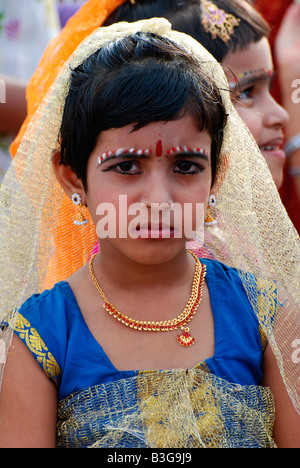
(185, 339)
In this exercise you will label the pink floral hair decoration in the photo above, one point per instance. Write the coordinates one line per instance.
(217, 22)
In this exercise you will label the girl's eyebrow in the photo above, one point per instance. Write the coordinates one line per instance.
(188, 152)
(249, 78)
(178, 151)
(124, 153)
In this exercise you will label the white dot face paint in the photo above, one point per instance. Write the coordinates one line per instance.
(185, 149)
(123, 151)
(146, 152)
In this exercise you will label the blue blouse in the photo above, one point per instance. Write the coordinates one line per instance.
(52, 326)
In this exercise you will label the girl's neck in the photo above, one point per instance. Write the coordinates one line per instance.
(124, 273)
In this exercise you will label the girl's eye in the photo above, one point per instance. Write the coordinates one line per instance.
(247, 93)
(188, 167)
(125, 167)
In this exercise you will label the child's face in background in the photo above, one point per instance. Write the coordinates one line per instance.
(265, 118)
(161, 163)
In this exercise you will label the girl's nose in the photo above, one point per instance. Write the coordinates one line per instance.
(156, 189)
(275, 115)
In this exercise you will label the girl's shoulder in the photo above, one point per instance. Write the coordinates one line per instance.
(238, 278)
(52, 309)
(258, 295)
(43, 323)
(224, 274)
(59, 296)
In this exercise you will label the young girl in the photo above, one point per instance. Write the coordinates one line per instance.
(231, 30)
(237, 36)
(147, 346)
(245, 29)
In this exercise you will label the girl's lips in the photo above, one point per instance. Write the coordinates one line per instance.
(275, 152)
(155, 232)
(274, 148)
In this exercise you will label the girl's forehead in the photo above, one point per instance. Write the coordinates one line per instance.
(160, 136)
(250, 77)
(256, 56)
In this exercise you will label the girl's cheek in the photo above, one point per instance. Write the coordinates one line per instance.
(251, 119)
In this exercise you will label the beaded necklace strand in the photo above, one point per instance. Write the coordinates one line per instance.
(185, 339)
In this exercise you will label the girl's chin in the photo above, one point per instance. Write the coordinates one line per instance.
(146, 251)
(276, 167)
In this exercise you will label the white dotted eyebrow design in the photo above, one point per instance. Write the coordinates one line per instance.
(123, 151)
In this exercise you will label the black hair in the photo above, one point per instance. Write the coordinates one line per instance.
(137, 80)
(185, 16)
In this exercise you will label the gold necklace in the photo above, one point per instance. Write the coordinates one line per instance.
(185, 339)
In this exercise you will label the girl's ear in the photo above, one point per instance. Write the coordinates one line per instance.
(213, 188)
(68, 179)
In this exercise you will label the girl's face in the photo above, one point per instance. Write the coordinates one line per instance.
(265, 118)
(144, 187)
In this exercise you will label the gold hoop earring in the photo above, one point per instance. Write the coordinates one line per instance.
(80, 220)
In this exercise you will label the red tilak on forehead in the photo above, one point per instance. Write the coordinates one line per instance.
(159, 149)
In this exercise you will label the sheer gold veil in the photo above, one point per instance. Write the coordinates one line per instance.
(257, 236)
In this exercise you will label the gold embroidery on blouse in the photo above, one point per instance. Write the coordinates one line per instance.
(37, 347)
(267, 290)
